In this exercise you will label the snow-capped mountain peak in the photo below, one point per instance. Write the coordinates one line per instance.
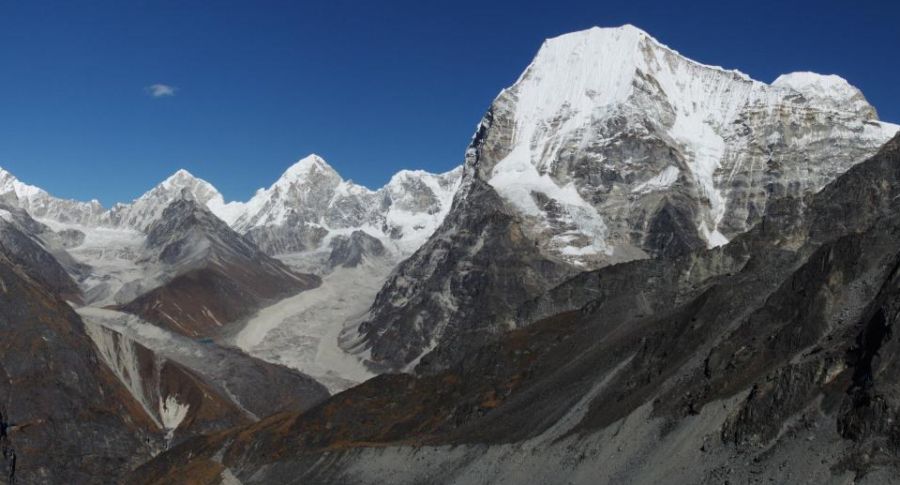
(181, 180)
(9, 183)
(39, 203)
(301, 210)
(310, 164)
(584, 88)
(826, 89)
(147, 208)
(611, 147)
(311, 201)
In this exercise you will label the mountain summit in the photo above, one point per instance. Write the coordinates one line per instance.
(588, 95)
(611, 147)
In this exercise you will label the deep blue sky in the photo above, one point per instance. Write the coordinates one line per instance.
(373, 86)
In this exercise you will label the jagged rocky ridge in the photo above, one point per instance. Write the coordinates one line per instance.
(610, 147)
(311, 201)
(769, 359)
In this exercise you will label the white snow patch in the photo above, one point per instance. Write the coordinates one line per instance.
(516, 178)
(228, 478)
(172, 413)
(662, 180)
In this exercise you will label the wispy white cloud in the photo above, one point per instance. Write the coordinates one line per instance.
(161, 90)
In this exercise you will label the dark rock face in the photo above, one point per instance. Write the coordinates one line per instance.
(349, 251)
(671, 233)
(441, 292)
(215, 276)
(65, 418)
(784, 334)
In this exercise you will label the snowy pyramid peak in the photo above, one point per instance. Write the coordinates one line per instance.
(8, 181)
(599, 67)
(181, 181)
(180, 177)
(308, 164)
(147, 208)
(305, 167)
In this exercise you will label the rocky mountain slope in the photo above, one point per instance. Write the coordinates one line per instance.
(610, 147)
(202, 275)
(40, 252)
(63, 417)
(769, 359)
(190, 387)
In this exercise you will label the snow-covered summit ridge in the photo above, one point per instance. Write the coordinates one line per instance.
(585, 90)
(315, 203)
(823, 87)
(595, 69)
(605, 60)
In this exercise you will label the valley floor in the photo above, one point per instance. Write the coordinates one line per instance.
(303, 332)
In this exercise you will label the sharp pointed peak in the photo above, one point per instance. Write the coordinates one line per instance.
(180, 178)
(179, 175)
(306, 165)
